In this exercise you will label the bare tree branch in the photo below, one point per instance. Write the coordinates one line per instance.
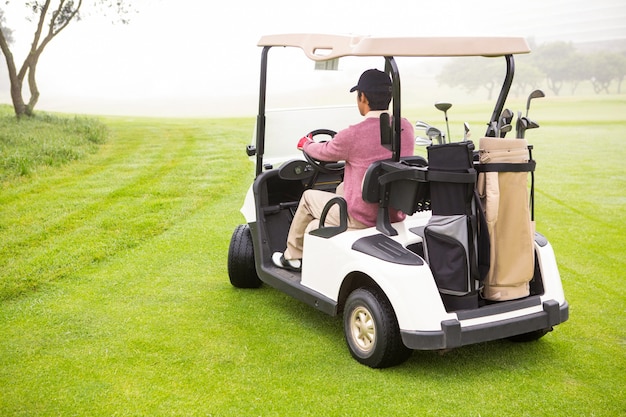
(51, 20)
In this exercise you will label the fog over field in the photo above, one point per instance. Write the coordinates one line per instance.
(191, 58)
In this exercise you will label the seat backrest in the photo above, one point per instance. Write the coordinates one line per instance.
(396, 185)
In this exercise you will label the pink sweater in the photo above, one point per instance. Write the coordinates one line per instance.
(359, 146)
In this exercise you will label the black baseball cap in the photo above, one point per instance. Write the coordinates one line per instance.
(373, 81)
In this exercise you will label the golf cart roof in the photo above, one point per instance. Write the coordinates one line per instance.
(320, 47)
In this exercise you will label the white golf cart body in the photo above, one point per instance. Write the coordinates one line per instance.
(331, 268)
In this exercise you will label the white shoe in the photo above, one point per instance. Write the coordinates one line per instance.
(292, 264)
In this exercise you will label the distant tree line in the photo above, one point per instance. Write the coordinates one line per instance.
(556, 64)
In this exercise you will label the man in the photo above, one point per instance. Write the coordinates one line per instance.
(359, 146)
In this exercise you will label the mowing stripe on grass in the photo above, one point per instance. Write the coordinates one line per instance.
(136, 188)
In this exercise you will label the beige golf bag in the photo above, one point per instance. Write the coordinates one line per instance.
(503, 188)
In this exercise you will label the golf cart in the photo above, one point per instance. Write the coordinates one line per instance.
(464, 267)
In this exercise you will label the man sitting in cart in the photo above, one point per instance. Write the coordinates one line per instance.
(359, 146)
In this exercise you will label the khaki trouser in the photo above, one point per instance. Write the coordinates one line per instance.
(307, 218)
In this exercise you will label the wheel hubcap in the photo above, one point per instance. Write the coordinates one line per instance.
(363, 329)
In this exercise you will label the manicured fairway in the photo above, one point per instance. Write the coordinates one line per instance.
(115, 300)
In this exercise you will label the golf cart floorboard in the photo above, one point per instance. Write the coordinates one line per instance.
(499, 308)
(292, 277)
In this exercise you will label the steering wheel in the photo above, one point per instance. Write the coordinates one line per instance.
(323, 166)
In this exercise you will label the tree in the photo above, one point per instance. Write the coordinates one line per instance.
(473, 73)
(558, 61)
(52, 17)
(7, 33)
(621, 72)
(527, 76)
(606, 67)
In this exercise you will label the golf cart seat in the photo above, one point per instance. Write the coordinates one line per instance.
(401, 185)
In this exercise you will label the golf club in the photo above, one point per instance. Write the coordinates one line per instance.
(505, 129)
(520, 125)
(434, 134)
(444, 107)
(534, 94)
(420, 141)
(506, 118)
(421, 125)
(523, 125)
(531, 124)
(494, 127)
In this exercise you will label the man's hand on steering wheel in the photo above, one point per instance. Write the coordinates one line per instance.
(303, 140)
(322, 166)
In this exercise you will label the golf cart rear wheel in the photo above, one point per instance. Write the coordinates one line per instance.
(241, 268)
(372, 331)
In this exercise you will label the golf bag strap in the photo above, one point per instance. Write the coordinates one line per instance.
(411, 173)
(483, 241)
(507, 167)
(455, 177)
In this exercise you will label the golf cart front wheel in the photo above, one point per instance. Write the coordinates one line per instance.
(241, 267)
(372, 331)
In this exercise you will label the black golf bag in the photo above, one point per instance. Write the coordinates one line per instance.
(456, 241)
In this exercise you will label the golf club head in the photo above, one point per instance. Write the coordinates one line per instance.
(494, 127)
(505, 129)
(421, 125)
(444, 107)
(466, 131)
(522, 125)
(536, 94)
(433, 131)
(506, 116)
(532, 95)
(531, 124)
(420, 141)
(434, 134)
(518, 124)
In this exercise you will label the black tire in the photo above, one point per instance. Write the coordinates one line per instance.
(241, 268)
(371, 330)
(530, 336)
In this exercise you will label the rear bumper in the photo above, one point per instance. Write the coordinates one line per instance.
(452, 335)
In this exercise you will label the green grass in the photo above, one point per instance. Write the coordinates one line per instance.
(30, 145)
(115, 298)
